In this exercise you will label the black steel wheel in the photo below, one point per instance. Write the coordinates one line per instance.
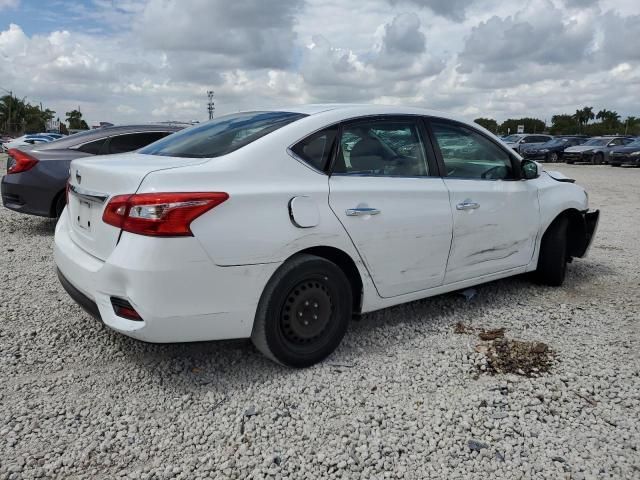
(304, 311)
(598, 159)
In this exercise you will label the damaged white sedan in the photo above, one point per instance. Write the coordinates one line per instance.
(279, 225)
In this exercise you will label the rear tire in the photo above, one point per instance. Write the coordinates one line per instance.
(304, 312)
(552, 261)
(553, 157)
(60, 203)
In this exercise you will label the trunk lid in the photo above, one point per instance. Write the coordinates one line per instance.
(93, 181)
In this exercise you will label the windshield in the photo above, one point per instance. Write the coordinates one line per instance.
(222, 135)
(512, 138)
(594, 142)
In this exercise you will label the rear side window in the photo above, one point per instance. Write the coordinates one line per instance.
(134, 141)
(316, 148)
(388, 148)
(222, 135)
(93, 147)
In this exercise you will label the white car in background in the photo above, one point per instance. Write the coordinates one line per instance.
(279, 225)
(26, 140)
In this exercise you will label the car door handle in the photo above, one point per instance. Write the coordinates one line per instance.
(467, 205)
(359, 211)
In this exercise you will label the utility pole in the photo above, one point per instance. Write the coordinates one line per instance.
(210, 105)
(9, 114)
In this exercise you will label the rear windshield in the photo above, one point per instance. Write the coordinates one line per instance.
(222, 135)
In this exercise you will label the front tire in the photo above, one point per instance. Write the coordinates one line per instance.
(552, 261)
(598, 159)
(303, 312)
(553, 157)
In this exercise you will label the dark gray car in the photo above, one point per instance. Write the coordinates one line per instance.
(37, 175)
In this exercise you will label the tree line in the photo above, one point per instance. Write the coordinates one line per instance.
(18, 116)
(584, 122)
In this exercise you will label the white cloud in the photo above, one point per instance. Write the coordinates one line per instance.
(155, 59)
(5, 4)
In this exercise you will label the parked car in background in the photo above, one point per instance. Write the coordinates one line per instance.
(626, 155)
(278, 225)
(518, 141)
(553, 150)
(29, 139)
(595, 150)
(37, 174)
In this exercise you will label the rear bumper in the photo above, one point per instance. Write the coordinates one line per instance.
(80, 298)
(178, 291)
(24, 193)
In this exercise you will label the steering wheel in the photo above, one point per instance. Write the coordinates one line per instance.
(492, 170)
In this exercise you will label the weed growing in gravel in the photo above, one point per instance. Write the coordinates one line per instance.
(509, 356)
(522, 358)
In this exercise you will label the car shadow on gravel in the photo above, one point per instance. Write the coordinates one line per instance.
(221, 365)
(231, 365)
(33, 226)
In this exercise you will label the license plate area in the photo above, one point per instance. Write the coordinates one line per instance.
(84, 215)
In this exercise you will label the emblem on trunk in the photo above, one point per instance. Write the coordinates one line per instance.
(78, 177)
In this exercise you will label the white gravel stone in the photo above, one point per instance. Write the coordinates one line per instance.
(401, 398)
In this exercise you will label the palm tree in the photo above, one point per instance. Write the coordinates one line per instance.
(587, 113)
(630, 124)
(12, 113)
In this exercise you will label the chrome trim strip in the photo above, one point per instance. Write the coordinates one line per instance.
(88, 195)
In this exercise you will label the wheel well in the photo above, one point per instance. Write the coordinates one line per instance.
(347, 265)
(576, 231)
(54, 204)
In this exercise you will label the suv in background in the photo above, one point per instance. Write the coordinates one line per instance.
(519, 141)
(37, 174)
(553, 150)
(595, 150)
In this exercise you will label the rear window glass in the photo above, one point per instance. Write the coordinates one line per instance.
(134, 141)
(316, 148)
(222, 135)
(92, 147)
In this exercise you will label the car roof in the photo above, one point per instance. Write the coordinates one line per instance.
(98, 133)
(356, 109)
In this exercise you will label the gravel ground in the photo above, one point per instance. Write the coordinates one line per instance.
(401, 398)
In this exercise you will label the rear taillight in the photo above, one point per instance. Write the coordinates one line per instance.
(160, 214)
(21, 161)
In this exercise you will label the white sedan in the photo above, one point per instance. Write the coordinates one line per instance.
(280, 225)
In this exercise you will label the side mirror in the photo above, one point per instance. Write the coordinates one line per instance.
(530, 169)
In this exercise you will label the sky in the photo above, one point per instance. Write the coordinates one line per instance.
(154, 60)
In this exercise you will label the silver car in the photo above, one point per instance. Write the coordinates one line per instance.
(520, 141)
